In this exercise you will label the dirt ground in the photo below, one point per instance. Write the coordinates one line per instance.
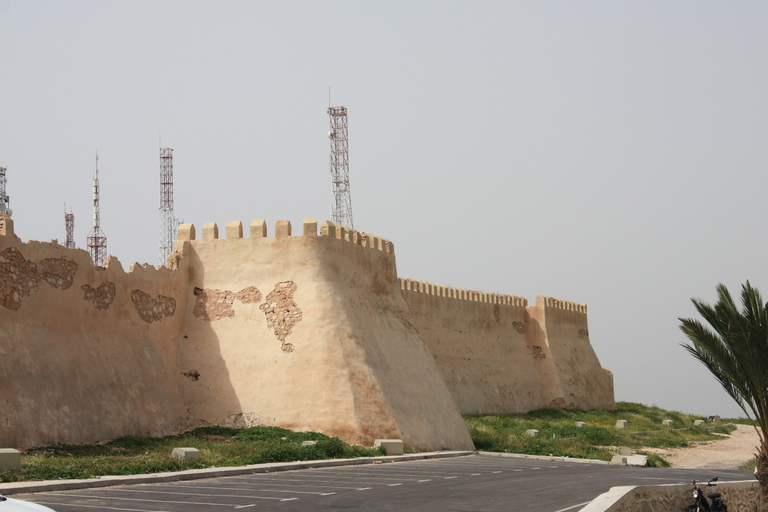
(729, 453)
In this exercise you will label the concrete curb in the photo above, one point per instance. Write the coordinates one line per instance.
(196, 474)
(538, 457)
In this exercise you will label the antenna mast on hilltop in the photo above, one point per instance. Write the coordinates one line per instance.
(69, 224)
(168, 223)
(4, 201)
(341, 200)
(97, 242)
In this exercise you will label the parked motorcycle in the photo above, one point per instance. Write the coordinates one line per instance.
(717, 503)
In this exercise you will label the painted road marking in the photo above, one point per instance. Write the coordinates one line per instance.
(224, 488)
(80, 507)
(247, 506)
(574, 506)
(186, 493)
(394, 485)
(427, 480)
(148, 501)
(475, 474)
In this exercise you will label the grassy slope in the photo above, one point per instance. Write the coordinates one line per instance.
(560, 437)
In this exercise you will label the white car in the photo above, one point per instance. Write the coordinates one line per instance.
(12, 505)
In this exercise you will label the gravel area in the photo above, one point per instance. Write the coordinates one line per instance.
(729, 453)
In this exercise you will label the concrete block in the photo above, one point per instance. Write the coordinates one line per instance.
(532, 433)
(581, 424)
(186, 454)
(668, 423)
(624, 450)
(714, 419)
(10, 459)
(618, 460)
(308, 443)
(698, 423)
(637, 460)
(622, 424)
(391, 446)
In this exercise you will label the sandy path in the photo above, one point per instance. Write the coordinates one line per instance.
(729, 453)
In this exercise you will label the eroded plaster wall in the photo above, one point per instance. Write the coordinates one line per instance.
(324, 343)
(86, 353)
(497, 354)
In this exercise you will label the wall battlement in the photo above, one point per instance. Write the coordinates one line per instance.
(307, 330)
(551, 302)
(283, 228)
(449, 292)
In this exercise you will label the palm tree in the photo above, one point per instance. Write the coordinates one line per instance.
(734, 348)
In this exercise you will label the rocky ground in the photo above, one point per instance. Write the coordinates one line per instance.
(729, 453)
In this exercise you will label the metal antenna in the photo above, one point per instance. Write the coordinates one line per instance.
(168, 222)
(4, 200)
(341, 199)
(97, 242)
(69, 224)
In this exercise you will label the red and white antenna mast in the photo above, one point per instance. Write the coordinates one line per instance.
(69, 224)
(97, 242)
(168, 222)
(341, 199)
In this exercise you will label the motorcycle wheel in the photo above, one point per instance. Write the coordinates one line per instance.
(692, 508)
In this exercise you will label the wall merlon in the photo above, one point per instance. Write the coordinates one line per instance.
(186, 232)
(450, 292)
(258, 228)
(328, 229)
(309, 227)
(282, 229)
(210, 231)
(6, 226)
(234, 229)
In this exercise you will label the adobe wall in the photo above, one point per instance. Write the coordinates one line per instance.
(309, 332)
(86, 354)
(497, 354)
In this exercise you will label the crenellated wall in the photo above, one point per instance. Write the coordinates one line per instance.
(312, 330)
(497, 354)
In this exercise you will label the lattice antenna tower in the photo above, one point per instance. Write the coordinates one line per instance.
(341, 199)
(169, 225)
(4, 200)
(97, 242)
(69, 224)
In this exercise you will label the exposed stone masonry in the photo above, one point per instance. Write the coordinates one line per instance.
(59, 272)
(151, 310)
(282, 312)
(18, 278)
(102, 297)
(212, 304)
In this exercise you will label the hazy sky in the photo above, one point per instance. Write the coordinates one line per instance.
(605, 152)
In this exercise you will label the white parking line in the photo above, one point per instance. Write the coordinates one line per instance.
(224, 488)
(148, 501)
(80, 507)
(394, 485)
(187, 493)
(427, 480)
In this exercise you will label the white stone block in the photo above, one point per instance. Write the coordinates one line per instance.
(532, 433)
(698, 423)
(10, 459)
(667, 423)
(581, 424)
(308, 443)
(622, 424)
(624, 450)
(186, 454)
(618, 460)
(391, 446)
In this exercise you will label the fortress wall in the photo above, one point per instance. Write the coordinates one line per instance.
(309, 332)
(577, 380)
(86, 354)
(497, 354)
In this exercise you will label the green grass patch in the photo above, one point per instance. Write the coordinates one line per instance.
(559, 436)
(219, 447)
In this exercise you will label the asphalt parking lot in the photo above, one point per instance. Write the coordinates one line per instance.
(469, 483)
